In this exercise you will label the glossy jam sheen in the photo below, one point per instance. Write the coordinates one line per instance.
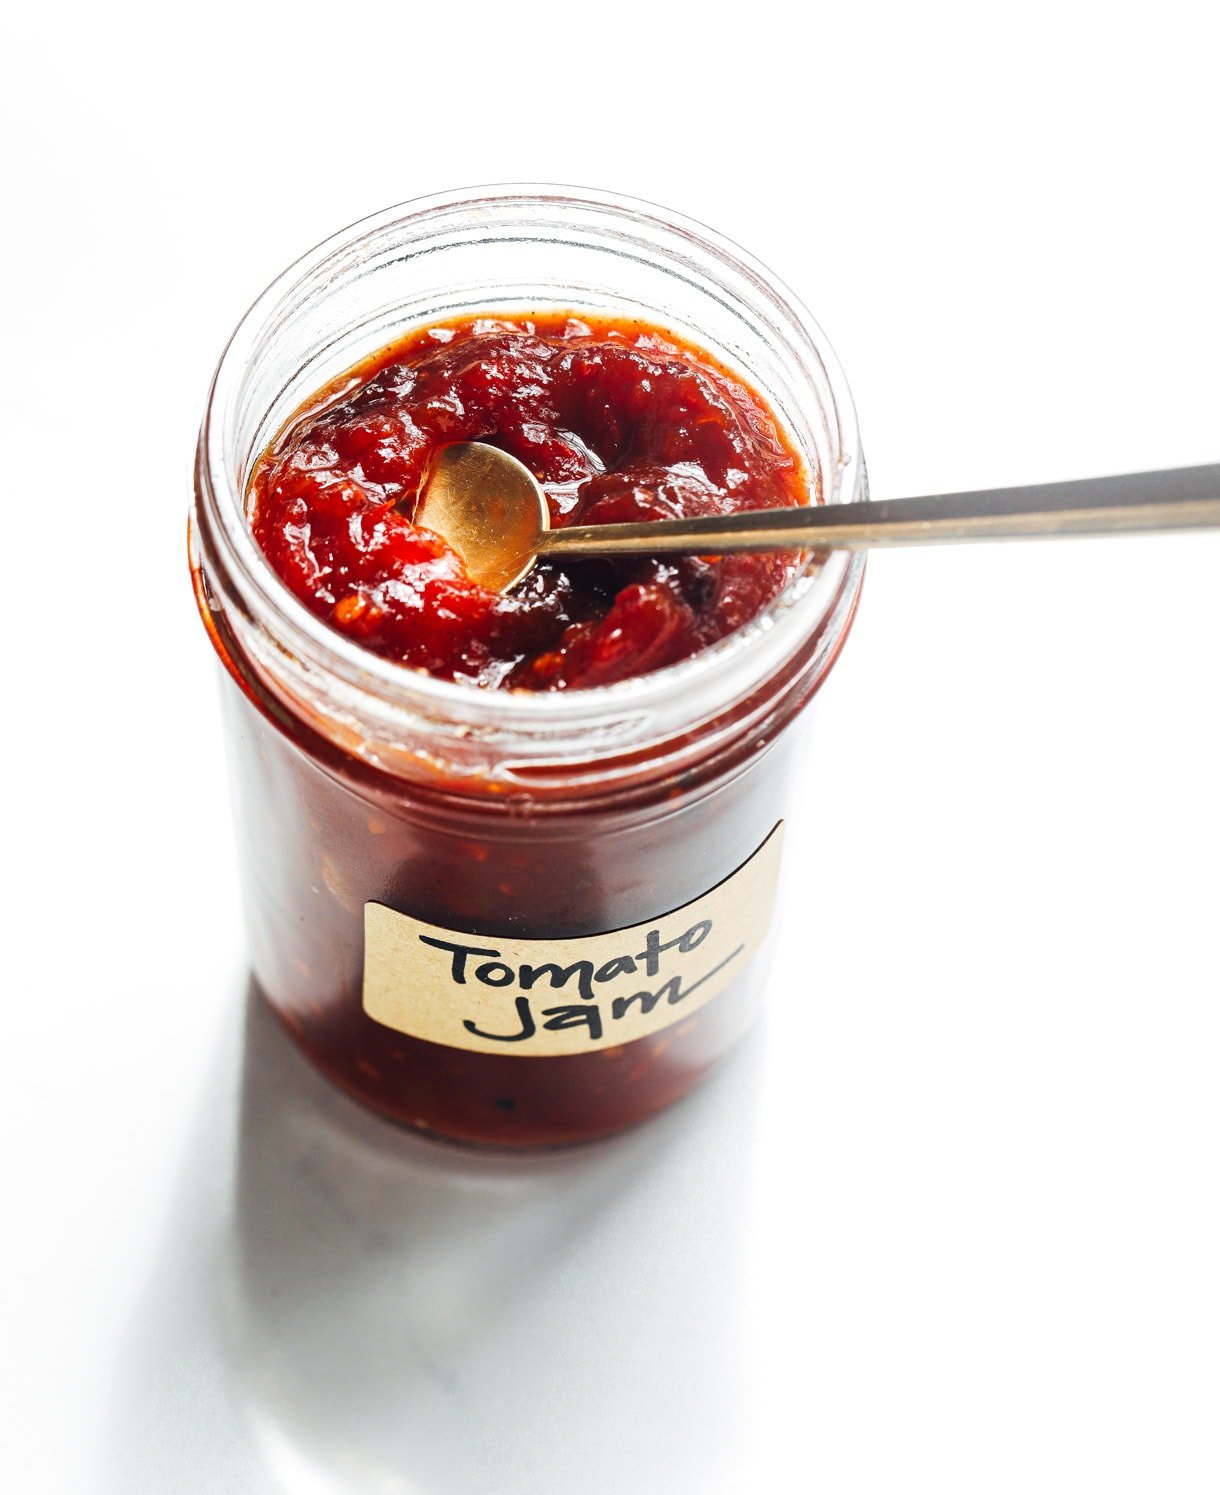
(618, 421)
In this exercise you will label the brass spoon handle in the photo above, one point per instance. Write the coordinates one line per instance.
(1177, 498)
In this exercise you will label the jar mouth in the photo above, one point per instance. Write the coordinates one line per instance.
(810, 598)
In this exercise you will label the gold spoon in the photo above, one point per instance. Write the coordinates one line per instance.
(491, 509)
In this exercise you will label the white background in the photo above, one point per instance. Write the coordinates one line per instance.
(950, 1221)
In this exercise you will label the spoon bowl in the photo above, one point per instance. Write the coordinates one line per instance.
(490, 508)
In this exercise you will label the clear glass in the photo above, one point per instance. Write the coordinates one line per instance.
(550, 814)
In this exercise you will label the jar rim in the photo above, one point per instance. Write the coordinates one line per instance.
(809, 597)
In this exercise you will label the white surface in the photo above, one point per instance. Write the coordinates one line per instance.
(951, 1221)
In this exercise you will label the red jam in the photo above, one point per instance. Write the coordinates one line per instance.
(617, 419)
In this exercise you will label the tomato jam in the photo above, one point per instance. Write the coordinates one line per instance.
(319, 835)
(508, 861)
(618, 420)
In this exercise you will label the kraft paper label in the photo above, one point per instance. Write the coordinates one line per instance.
(541, 998)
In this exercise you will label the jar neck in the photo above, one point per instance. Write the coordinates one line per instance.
(694, 733)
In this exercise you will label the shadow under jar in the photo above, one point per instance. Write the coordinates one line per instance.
(506, 917)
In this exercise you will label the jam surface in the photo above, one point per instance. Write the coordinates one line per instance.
(618, 420)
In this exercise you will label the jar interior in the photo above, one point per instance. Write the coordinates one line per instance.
(512, 251)
(549, 255)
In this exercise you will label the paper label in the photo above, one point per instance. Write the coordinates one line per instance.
(542, 998)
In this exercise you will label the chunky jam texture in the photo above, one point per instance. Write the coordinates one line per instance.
(618, 420)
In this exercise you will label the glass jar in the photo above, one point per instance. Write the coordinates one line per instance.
(374, 802)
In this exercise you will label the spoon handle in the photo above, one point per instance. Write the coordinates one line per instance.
(1177, 498)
